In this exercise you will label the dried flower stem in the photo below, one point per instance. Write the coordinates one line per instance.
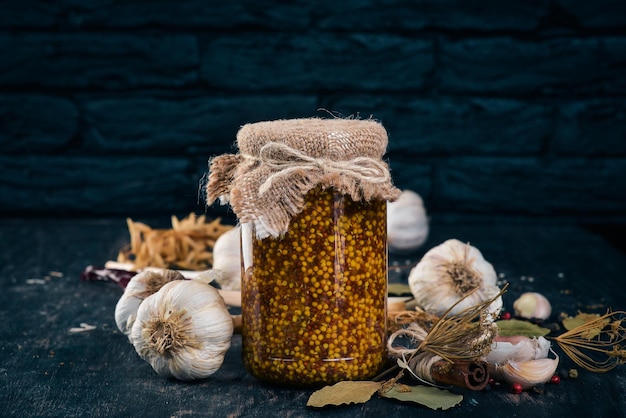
(388, 384)
(603, 337)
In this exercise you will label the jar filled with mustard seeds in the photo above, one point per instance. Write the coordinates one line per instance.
(315, 298)
(310, 195)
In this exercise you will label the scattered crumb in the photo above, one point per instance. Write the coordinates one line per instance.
(83, 327)
(35, 281)
(502, 275)
(403, 388)
(561, 275)
(55, 274)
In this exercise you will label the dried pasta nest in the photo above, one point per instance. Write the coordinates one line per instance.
(187, 245)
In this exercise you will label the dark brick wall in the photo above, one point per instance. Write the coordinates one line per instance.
(493, 108)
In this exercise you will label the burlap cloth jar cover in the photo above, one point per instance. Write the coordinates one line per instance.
(280, 161)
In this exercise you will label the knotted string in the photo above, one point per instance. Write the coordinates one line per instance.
(364, 169)
(419, 364)
(421, 367)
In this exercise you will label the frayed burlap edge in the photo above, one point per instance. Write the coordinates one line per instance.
(268, 195)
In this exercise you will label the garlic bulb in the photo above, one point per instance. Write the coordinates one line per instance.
(407, 224)
(448, 273)
(226, 257)
(532, 305)
(139, 287)
(517, 348)
(183, 330)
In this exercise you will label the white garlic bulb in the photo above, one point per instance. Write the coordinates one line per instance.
(532, 305)
(226, 258)
(183, 330)
(448, 273)
(407, 223)
(139, 287)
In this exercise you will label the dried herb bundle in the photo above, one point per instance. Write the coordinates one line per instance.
(466, 335)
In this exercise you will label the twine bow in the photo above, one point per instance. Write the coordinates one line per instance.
(361, 168)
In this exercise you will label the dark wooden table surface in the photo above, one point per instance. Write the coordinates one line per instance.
(48, 371)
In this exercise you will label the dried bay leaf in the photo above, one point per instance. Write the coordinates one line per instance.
(344, 393)
(513, 327)
(581, 319)
(428, 396)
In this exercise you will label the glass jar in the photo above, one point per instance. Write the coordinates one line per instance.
(314, 300)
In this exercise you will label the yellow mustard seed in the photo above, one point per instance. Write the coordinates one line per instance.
(313, 301)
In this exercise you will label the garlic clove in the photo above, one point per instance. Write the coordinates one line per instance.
(126, 313)
(407, 223)
(226, 257)
(532, 305)
(526, 373)
(205, 276)
(184, 330)
(139, 287)
(517, 349)
(454, 272)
